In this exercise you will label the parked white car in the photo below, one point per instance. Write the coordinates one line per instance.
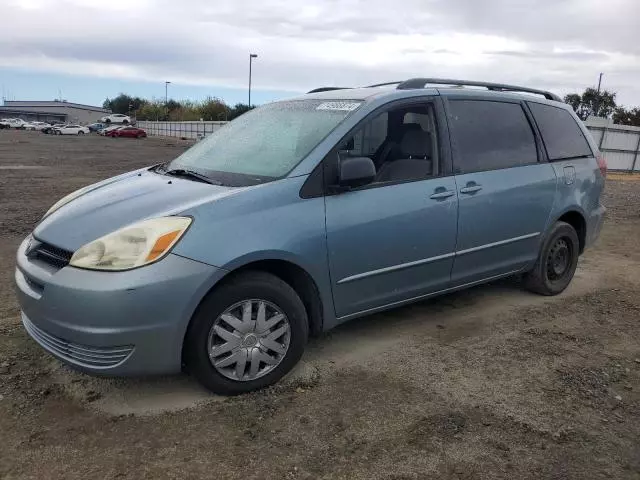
(13, 123)
(71, 130)
(116, 118)
(37, 126)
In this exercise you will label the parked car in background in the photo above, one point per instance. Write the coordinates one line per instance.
(38, 126)
(131, 132)
(34, 126)
(50, 129)
(71, 130)
(105, 131)
(96, 127)
(16, 123)
(228, 257)
(116, 118)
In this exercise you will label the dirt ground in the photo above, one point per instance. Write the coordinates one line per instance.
(490, 383)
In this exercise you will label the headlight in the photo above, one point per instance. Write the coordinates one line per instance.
(133, 246)
(67, 199)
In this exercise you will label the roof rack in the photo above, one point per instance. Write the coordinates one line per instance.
(496, 87)
(386, 84)
(414, 83)
(327, 89)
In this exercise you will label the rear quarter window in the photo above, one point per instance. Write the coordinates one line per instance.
(562, 136)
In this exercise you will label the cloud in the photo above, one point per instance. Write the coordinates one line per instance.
(560, 45)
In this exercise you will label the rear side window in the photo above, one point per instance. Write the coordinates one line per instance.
(561, 135)
(490, 135)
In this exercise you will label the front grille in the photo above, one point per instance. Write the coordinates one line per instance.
(83, 355)
(54, 256)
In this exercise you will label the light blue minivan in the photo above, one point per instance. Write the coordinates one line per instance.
(303, 214)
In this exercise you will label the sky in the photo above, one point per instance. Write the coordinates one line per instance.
(85, 51)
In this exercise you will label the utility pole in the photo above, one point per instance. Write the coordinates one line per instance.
(597, 105)
(600, 82)
(251, 57)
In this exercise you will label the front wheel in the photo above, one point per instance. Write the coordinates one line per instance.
(80, 132)
(556, 262)
(246, 334)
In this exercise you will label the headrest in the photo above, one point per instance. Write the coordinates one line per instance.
(416, 144)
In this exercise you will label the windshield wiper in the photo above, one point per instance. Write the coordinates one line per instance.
(182, 172)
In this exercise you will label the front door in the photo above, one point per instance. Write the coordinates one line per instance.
(393, 240)
(505, 192)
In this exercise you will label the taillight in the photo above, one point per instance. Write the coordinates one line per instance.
(602, 165)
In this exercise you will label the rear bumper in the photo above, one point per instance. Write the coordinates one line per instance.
(112, 323)
(594, 225)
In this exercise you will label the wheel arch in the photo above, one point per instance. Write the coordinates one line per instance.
(297, 278)
(576, 218)
(288, 271)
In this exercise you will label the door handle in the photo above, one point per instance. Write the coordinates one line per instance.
(471, 189)
(442, 195)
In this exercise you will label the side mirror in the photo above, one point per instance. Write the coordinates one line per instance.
(356, 171)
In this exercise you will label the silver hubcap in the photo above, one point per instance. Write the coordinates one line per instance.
(249, 339)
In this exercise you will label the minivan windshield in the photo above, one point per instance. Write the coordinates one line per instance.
(265, 143)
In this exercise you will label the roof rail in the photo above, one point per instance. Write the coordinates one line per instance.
(327, 89)
(497, 87)
(384, 84)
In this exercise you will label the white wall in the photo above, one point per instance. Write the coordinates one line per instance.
(193, 130)
(619, 144)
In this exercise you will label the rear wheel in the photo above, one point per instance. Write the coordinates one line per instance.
(246, 334)
(556, 262)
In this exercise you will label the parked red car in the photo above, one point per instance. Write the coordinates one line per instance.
(132, 132)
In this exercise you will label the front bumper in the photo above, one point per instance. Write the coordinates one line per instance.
(112, 323)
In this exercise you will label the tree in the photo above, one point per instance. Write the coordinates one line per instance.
(238, 109)
(154, 110)
(214, 109)
(124, 104)
(211, 109)
(631, 117)
(591, 102)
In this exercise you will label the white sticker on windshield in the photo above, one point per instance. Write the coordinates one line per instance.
(342, 106)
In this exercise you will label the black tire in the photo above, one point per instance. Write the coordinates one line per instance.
(249, 285)
(80, 132)
(556, 262)
(125, 122)
(107, 121)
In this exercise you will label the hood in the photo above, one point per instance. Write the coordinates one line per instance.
(121, 201)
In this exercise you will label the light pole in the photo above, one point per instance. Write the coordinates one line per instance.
(166, 98)
(251, 57)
